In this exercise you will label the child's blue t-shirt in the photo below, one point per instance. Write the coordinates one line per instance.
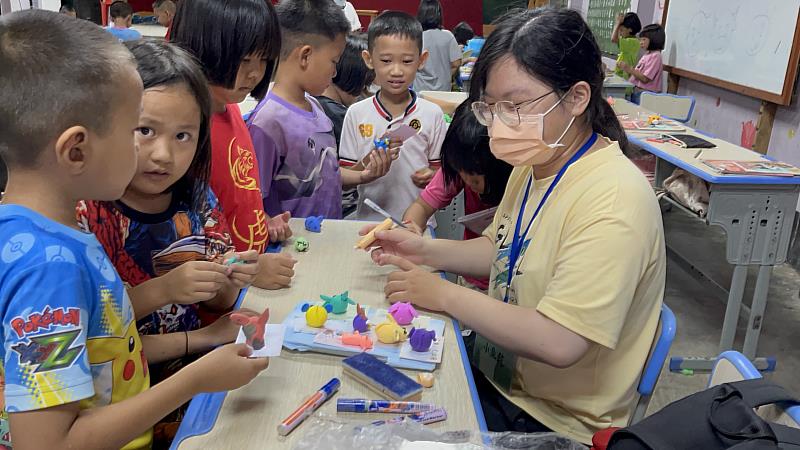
(68, 327)
(124, 34)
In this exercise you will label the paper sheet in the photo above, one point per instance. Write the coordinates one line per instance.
(273, 338)
(477, 222)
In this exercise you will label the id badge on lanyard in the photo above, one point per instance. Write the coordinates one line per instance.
(495, 362)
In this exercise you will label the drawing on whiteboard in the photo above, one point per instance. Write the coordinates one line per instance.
(759, 35)
(724, 27)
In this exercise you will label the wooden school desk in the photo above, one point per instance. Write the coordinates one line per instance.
(248, 417)
(616, 86)
(756, 213)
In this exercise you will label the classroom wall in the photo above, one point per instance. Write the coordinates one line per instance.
(454, 10)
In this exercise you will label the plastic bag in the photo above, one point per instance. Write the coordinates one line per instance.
(325, 432)
(689, 190)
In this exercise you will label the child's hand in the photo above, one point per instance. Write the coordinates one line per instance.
(279, 229)
(624, 66)
(620, 18)
(225, 368)
(222, 331)
(413, 227)
(195, 281)
(275, 271)
(399, 242)
(414, 284)
(422, 177)
(243, 272)
(377, 164)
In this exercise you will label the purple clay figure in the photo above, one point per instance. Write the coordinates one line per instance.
(360, 320)
(314, 223)
(403, 313)
(421, 339)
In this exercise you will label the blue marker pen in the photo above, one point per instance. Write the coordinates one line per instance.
(362, 405)
(425, 417)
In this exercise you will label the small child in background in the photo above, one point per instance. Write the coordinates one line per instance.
(236, 41)
(469, 166)
(624, 35)
(350, 82)
(87, 355)
(463, 33)
(395, 53)
(167, 236)
(164, 11)
(444, 56)
(122, 17)
(293, 137)
(647, 74)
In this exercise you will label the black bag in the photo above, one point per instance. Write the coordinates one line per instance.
(720, 417)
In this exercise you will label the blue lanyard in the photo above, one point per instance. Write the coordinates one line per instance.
(518, 240)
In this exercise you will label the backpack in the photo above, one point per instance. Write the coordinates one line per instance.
(720, 417)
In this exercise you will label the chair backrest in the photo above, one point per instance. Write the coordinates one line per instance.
(665, 334)
(733, 366)
(676, 107)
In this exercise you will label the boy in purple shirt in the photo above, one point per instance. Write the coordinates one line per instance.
(292, 136)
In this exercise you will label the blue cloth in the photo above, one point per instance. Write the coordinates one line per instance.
(124, 34)
(68, 327)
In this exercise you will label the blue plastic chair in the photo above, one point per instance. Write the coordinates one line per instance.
(665, 334)
(675, 107)
(733, 366)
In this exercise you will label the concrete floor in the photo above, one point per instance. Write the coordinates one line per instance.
(700, 313)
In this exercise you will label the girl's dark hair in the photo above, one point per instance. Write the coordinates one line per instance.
(220, 33)
(466, 149)
(463, 33)
(429, 14)
(557, 47)
(163, 64)
(352, 74)
(631, 21)
(655, 33)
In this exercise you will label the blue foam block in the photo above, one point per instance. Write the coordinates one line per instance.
(382, 377)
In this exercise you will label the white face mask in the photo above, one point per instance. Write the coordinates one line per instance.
(523, 145)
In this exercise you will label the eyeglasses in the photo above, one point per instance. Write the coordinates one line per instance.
(506, 111)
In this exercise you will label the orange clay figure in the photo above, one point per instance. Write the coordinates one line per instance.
(253, 327)
(357, 339)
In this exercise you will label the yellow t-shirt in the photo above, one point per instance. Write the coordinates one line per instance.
(594, 262)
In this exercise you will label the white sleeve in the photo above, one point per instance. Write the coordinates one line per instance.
(435, 147)
(352, 16)
(349, 143)
(455, 52)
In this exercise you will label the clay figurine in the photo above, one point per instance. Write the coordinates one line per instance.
(421, 339)
(425, 379)
(301, 244)
(654, 119)
(253, 327)
(314, 223)
(403, 313)
(390, 332)
(338, 302)
(316, 315)
(357, 340)
(360, 320)
(382, 144)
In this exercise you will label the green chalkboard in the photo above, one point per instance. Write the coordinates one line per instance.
(601, 17)
(493, 9)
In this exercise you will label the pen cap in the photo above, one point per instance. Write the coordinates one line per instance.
(351, 405)
(331, 387)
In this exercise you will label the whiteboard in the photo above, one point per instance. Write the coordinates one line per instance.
(745, 42)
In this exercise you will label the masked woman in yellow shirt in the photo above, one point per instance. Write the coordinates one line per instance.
(575, 254)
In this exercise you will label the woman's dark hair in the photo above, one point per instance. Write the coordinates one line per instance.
(163, 64)
(221, 33)
(632, 22)
(655, 33)
(352, 74)
(466, 149)
(463, 33)
(429, 14)
(557, 47)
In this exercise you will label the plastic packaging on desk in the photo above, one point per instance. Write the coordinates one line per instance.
(331, 433)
